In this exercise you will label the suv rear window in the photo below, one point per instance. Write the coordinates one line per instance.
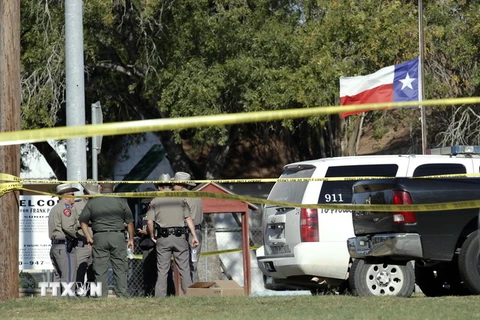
(433, 169)
(291, 192)
(341, 191)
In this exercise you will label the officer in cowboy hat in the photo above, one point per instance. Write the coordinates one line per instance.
(148, 246)
(84, 250)
(195, 208)
(171, 215)
(62, 230)
(108, 216)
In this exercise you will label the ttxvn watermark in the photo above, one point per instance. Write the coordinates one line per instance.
(71, 289)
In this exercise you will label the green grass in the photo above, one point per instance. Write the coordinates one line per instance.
(272, 308)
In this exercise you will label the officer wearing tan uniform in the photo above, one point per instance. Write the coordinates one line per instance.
(62, 230)
(195, 208)
(170, 214)
(84, 250)
(148, 246)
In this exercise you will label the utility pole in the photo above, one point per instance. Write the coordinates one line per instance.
(75, 83)
(421, 76)
(9, 155)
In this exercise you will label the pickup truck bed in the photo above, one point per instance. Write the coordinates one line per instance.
(439, 230)
(441, 242)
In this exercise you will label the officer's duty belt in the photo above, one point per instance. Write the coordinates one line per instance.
(108, 231)
(59, 241)
(198, 227)
(165, 232)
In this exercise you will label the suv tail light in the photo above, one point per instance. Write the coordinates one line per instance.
(309, 225)
(403, 197)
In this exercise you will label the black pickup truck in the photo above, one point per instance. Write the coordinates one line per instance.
(443, 244)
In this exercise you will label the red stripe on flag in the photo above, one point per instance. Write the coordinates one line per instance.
(383, 93)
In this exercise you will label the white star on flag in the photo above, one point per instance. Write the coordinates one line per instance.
(407, 82)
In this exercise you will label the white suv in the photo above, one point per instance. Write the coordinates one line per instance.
(306, 248)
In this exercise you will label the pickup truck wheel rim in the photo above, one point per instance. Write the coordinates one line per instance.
(384, 279)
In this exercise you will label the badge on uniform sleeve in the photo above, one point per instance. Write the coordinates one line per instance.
(67, 212)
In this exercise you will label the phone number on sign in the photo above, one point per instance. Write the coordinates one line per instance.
(38, 263)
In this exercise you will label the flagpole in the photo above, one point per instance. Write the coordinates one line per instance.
(421, 76)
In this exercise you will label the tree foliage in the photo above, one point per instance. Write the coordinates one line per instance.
(149, 59)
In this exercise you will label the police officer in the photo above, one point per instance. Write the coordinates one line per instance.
(108, 216)
(84, 249)
(170, 214)
(196, 212)
(62, 229)
(148, 246)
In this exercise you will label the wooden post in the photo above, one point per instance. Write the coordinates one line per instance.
(10, 92)
(247, 269)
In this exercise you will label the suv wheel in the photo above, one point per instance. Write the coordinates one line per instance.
(381, 279)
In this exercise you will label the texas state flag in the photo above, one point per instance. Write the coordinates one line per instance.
(390, 84)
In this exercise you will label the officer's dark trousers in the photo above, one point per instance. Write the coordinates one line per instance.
(109, 248)
(84, 264)
(149, 271)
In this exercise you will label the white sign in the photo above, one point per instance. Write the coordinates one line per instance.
(34, 242)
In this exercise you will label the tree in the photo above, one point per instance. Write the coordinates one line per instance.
(163, 59)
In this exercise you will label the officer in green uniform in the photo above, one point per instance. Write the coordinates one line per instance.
(108, 216)
(195, 208)
(62, 229)
(170, 214)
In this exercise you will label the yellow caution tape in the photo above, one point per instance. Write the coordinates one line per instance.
(254, 180)
(215, 253)
(16, 184)
(130, 127)
(218, 181)
(9, 183)
(209, 253)
(335, 208)
(5, 177)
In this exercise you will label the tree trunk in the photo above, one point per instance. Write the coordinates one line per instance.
(53, 159)
(351, 134)
(10, 155)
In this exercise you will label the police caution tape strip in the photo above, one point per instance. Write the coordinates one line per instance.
(224, 181)
(209, 253)
(16, 184)
(130, 127)
(326, 207)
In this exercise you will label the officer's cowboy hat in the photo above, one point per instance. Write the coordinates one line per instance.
(91, 188)
(183, 176)
(165, 177)
(65, 188)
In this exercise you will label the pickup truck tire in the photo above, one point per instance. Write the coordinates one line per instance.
(381, 279)
(468, 263)
(440, 280)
